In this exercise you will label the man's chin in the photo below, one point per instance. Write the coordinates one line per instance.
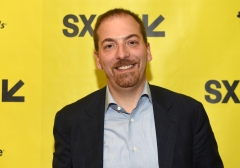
(127, 83)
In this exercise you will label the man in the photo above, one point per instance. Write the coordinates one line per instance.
(129, 123)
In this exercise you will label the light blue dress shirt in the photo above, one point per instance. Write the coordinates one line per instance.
(130, 139)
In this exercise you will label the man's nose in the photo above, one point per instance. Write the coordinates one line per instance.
(122, 52)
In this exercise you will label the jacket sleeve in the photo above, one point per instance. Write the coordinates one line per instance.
(205, 149)
(62, 153)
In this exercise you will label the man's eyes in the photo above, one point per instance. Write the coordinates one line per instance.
(108, 46)
(128, 43)
(132, 43)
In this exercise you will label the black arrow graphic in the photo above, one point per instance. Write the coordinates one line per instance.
(155, 23)
(7, 96)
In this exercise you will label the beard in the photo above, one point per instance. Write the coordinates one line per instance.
(126, 79)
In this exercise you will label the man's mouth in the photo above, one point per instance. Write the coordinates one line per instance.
(125, 67)
(125, 64)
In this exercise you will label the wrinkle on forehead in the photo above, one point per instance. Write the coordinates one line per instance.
(119, 38)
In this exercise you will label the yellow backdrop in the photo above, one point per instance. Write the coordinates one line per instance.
(47, 61)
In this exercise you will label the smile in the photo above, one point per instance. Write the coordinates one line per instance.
(125, 67)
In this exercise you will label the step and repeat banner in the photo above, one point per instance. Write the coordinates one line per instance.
(47, 61)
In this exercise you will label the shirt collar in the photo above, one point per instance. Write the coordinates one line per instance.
(110, 99)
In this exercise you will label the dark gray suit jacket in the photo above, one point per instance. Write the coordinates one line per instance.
(184, 135)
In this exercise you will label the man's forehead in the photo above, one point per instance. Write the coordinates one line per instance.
(124, 37)
(114, 16)
(120, 17)
(115, 25)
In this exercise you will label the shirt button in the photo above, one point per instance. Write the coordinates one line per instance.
(134, 148)
(132, 120)
(118, 108)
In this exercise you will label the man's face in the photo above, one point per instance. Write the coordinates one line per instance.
(122, 53)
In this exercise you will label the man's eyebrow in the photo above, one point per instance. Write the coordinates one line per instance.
(114, 39)
(131, 35)
(107, 40)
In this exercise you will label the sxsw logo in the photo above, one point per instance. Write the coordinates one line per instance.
(213, 86)
(1, 152)
(73, 30)
(8, 92)
(2, 25)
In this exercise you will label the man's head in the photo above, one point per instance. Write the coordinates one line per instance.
(122, 50)
(113, 13)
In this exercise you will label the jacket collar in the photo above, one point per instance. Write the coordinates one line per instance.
(166, 123)
(92, 129)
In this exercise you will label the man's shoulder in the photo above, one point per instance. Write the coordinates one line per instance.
(163, 95)
(182, 105)
(95, 98)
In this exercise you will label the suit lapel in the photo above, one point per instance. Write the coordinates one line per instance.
(166, 122)
(92, 131)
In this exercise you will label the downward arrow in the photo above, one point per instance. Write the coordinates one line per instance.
(7, 96)
(155, 23)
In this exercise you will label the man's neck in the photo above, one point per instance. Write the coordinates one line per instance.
(127, 97)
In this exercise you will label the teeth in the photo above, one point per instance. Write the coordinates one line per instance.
(125, 67)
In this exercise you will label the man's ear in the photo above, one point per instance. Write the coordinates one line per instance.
(149, 55)
(98, 63)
